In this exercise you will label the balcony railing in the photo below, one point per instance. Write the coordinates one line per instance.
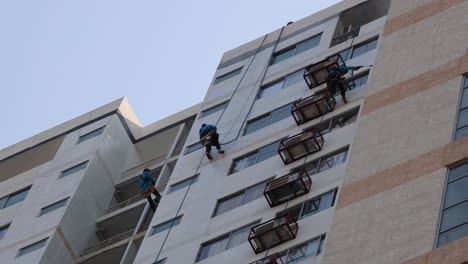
(344, 37)
(272, 233)
(317, 73)
(312, 107)
(125, 203)
(287, 187)
(300, 145)
(107, 242)
(273, 259)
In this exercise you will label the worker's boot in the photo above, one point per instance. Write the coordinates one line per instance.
(344, 99)
(220, 151)
(208, 155)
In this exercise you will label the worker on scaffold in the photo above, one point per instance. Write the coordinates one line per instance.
(147, 187)
(209, 137)
(336, 79)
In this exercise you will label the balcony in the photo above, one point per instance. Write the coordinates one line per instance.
(272, 233)
(311, 107)
(316, 74)
(300, 145)
(287, 187)
(345, 36)
(273, 259)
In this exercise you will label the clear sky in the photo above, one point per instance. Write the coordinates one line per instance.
(60, 59)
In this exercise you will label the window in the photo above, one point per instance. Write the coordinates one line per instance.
(337, 121)
(312, 206)
(454, 220)
(214, 109)
(3, 230)
(184, 183)
(228, 75)
(303, 252)
(461, 128)
(255, 157)
(284, 82)
(73, 169)
(326, 162)
(53, 206)
(32, 247)
(193, 147)
(296, 49)
(359, 49)
(160, 261)
(166, 225)
(240, 198)
(268, 119)
(14, 198)
(224, 242)
(90, 135)
(359, 80)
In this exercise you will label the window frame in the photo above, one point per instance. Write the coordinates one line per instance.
(294, 47)
(269, 115)
(360, 75)
(8, 197)
(251, 153)
(242, 193)
(177, 219)
(3, 230)
(464, 86)
(203, 112)
(65, 202)
(227, 235)
(281, 80)
(193, 178)
(303, 204)
(221, 78)
(285, 253)
(21, 250)
(100, 130)
(350, 54)
(329, 121)
(318, 160)
(188, 150)
(63, 173)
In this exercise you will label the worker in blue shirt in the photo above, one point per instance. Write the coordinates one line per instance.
(336, 79)
(147, 187)
(209, 137)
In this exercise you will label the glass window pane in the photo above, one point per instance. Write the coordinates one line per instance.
(361, 80)
(462, 118)
(346, 54)
(229, 204)
(74, 169)
(311, 207)
(166, 225)
(240, 236)
(254, 193)
(213, 109)
(244, 162)
(465, 84)
(193, 147)
(456, 192)
(213, 248)
(228, 75)
(452, 235)
(461, 132)
(458, 171)
(344, 119)
(308, 44)
(294, 212)
(3, 230)
(453, 216)
(32, 247)
(90, 135)
(296, 254)
(53, 207)
(284, 55)
(182, 184)
(281, 113)
(464, 101)
(272, 88)
(294, 78)
(3, 202)
(257, 124)
(268, 151)
(16, 198)
(326, 201)
(359, 51)
(371, 45)
(332, 161)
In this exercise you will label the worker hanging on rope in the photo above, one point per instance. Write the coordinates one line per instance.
(336, 79)
(209, 137)
(147, 188)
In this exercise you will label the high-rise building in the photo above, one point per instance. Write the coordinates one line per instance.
(305, 177)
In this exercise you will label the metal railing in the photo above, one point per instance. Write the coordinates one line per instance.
(348, 35)
(125, 203)
(108, 242)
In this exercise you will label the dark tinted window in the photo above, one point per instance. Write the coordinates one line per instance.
(228, 75)
(296, 49)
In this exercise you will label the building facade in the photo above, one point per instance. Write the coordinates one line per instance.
(305, 177)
